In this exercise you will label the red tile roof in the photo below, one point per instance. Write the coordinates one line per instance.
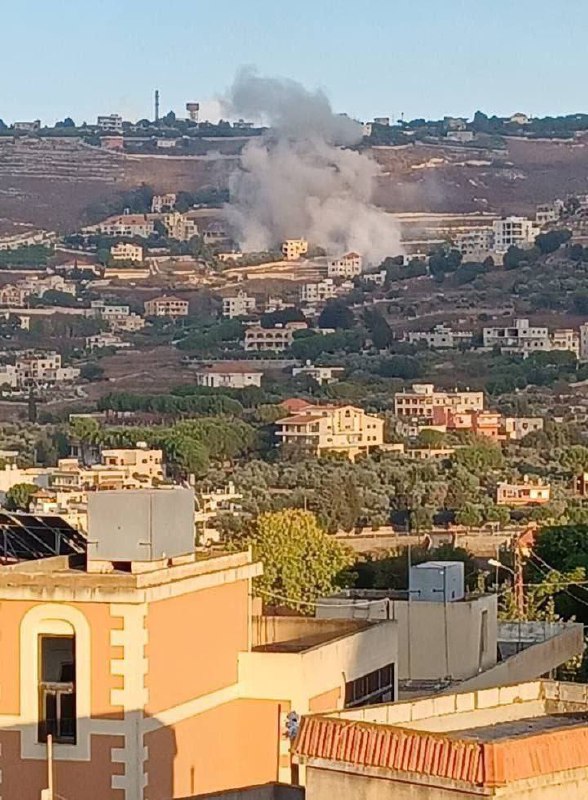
(482, 763)
(296, 404)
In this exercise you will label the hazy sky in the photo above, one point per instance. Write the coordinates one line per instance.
(377, 57)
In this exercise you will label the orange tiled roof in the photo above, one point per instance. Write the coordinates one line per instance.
(482, 763)
(296, 404)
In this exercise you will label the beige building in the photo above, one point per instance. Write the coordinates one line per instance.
(278, 339)
(514, 231)
(140, 461)
(342, 429)
(166, 306)
(239, 305)
(318, 292)
(421, 400)
(125, 226)
(294, 248)
(518, 427)
(526, 493)
(125, 251)
(163, 202)
(348, 266)
(527, 741)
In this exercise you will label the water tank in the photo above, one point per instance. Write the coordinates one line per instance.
(437, 581)
(140, 524)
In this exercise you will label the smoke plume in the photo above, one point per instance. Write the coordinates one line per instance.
(298, 180)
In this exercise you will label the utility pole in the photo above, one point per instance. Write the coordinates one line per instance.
(48, 793)
(519, 587)
(157, 105)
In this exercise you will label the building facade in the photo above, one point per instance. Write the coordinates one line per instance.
(294, 248)
(239, 305)
(421, 400)
(166, 306)
(323, 429)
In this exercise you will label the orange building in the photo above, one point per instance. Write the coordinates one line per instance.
(151, 672)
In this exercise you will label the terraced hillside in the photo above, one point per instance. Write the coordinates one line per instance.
(51, 183)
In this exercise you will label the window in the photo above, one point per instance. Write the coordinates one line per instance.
(57, 689)
(375, 687)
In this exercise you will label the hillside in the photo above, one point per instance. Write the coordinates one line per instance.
(51, 183)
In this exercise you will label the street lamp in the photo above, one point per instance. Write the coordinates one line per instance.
(519, 591)
(493, 562)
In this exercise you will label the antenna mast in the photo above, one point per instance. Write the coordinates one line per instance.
(157, 105)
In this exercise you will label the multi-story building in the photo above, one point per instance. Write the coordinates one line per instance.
(548, 212)
(526, 493)
(514, 231)
(421, 400)
(277, 339)
(340, 429)
(125, 226)
(294, 248)
(102, 340)
(476, 242)
(13, 295)
(46, 369)
(318, 292)
(524, 338)
(166, 306)
(440, 337)
(139, 656)
(125, 251)
(348, 266)
(518, 427)
(239, 305)
(140, 461)
(230, 374)
(130, 323)
(482, 423)
(180, 226)
(163, 202)
(110, 122)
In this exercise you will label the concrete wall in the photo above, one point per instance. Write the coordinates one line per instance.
(532, 662)
(266, 791)
(435, 640)
(325, 784)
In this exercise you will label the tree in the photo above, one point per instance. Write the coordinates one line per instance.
(421, 519)
(18, 497)
(300, 561)
(92, 371)
(430, 438)
(470, 516)
(379, 330)
(86, 431)
(336, 314)
(552, 241)
(575, 459)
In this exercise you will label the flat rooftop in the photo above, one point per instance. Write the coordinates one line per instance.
(488, 738)
(275, 634)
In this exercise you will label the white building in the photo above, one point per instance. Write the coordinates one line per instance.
(229, 375)
(239, 305)
(318, 292)
(524, 338)
(475, 242)
(348, 266)
(43, 369)
(514, 231)
(163, 202)
(322, 375)
(110, 122)
(101, 340)
(441, 337)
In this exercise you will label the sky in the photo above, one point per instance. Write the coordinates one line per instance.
(425, 58)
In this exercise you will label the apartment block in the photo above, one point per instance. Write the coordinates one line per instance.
(163, 202)
(36, 369)
(166, 306)
(421, 400)
(294, 248)
(318, 292)
(125, 251)
(348, 266)
(125, 226)
(514, 231)
(110, 122)
(440, 337)
(340, 429)
(524, 338)
(239, 305)
(475, 242)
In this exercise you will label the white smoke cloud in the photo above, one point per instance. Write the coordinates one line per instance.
(299, 180)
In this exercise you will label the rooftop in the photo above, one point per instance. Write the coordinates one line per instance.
(488, 738)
